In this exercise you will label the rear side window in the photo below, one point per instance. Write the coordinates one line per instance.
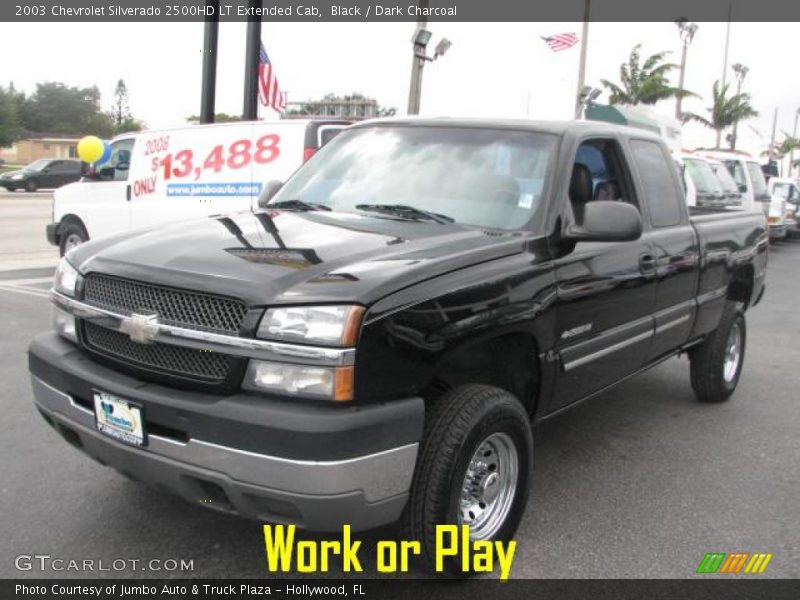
(326, 134)
(759, 183)
(661, 193)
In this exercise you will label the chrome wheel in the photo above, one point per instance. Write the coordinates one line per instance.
(73, 240)
(733, 354)
(489, 486)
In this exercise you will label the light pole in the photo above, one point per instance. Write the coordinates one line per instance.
(794, 137)
(586, 98)
(741, 72)
(420, 41)
(587, 10)
(686, 30)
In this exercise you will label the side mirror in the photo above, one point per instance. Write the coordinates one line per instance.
(607, 221)
(742, 188)
(268, 191)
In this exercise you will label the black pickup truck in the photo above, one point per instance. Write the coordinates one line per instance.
(375, 344)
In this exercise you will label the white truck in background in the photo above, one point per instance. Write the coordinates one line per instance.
(788, 189)
(159, 177)
(749, 177)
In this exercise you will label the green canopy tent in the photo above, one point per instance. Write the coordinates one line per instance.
(621, 116)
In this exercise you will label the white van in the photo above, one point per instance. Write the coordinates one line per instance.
(157, 177)
(788, 189)
(703, 188)
(749, 177)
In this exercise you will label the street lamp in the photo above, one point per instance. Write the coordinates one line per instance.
(741, 72)
(794, 137)
(587, 97)
(420, 41)
(686, 30)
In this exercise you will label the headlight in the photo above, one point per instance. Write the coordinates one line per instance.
(66, 278)
(328, 325)
(64, 324)
(327, 383)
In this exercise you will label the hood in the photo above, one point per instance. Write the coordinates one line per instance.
(283, 257)
(9, 174)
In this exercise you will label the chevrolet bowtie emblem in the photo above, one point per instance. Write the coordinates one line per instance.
(140, 328)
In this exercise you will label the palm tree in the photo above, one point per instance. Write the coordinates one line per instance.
(644, 83)
(725, 111)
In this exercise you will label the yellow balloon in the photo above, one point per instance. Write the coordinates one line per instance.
(90, 148)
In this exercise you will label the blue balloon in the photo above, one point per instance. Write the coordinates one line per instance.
(106, 154)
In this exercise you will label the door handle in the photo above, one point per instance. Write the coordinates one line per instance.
(647, 262)
(128, 192)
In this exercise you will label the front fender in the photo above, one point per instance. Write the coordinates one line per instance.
(408, 336)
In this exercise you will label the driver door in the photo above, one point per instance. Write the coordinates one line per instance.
(606, 290)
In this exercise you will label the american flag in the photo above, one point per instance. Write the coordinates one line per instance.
(269, 92)
(560, 41)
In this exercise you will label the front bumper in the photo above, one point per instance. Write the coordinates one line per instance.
(318, 467)
(52, 233)
(778, 232)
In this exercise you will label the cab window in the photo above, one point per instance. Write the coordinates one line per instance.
(737, 172)
(118, 166)
(598, 173)
(661, 192)
(759, 183)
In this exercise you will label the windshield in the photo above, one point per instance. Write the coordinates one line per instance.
(37, 165)
(483, 177)
(705, 182)
(726, 181)
(759, 183)
(787, 191)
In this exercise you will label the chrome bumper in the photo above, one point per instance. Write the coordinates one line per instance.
(364, 492)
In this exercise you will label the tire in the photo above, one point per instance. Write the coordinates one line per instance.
(30, 186)
(715, 367)
(70, 235)
(459, 423)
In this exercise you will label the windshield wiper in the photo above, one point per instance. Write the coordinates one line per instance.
(406, 211)
(298, 205)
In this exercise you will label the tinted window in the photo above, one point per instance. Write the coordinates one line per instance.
(120, 162)
(787, 191)
(737, 172)
(725, 179)
(657, 175)
(759, 183)
(37, 165)
(326, 134)
(65, 166)
(705, 182)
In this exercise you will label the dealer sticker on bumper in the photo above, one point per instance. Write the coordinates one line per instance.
(119, 418)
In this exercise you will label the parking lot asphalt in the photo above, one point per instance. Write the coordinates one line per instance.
(23, 218)
(639, 482)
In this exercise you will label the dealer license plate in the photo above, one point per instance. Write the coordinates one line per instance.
(119, 418)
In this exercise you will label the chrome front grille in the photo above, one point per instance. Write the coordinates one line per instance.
(164, 358)
(180, 308)
(193, 310)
